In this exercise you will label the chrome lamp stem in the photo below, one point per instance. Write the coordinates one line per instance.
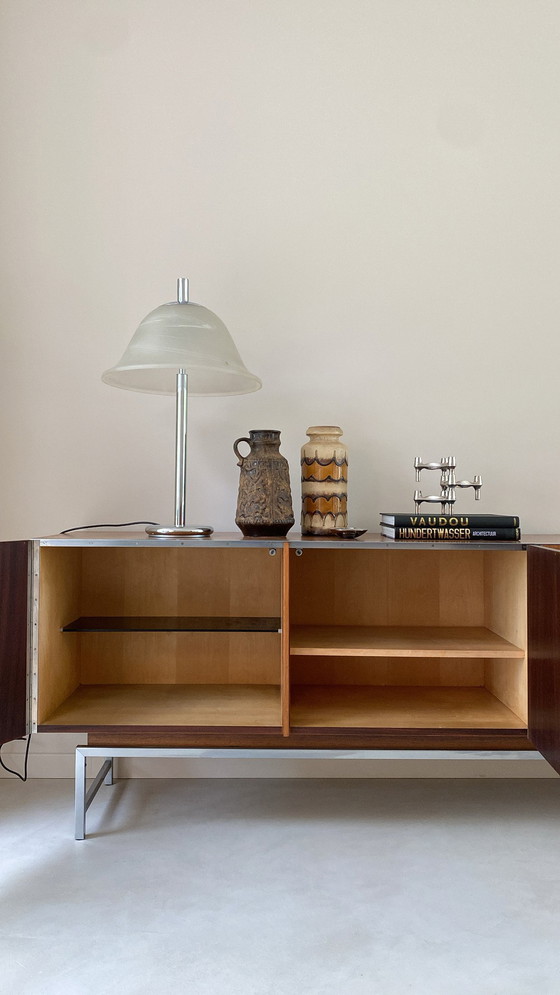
(180, 529)
(181, 450)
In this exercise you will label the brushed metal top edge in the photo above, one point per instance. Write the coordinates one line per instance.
(370, 540)
(404, 544)
(162, 543)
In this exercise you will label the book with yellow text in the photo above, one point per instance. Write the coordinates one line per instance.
(455, 533)
(433, 519)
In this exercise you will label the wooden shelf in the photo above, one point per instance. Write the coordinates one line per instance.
(208, 705)
(397, 640)
(398, 708)
(172, 623)
(220, 706)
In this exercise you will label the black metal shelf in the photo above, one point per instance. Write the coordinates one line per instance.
(172, 623)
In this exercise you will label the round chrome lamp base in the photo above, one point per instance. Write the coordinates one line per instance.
(179, 531)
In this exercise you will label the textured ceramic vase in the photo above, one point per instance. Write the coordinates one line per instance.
(324, 481)
(264, 503)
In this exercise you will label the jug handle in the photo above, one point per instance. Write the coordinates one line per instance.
(240, 458)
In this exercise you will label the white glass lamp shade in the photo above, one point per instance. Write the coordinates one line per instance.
(182, 335)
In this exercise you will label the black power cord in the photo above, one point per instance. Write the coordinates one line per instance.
(22, 777)
(104, 525)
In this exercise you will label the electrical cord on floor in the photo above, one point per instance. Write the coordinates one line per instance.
(22, 777)
(104, 525)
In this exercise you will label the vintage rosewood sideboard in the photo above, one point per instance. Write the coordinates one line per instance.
(291, 644)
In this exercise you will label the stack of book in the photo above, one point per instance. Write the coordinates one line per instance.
(422, 527)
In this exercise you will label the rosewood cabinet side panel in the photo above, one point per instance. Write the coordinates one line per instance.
(544, 651)
(14, 557)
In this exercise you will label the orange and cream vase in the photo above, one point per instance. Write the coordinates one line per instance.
(324, 481)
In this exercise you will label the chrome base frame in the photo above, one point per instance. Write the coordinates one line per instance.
(179, 531)
(83, 798)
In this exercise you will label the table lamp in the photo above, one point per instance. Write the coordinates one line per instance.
(182, 348)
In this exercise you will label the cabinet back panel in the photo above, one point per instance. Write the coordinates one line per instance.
(180, 581)
(386, 671)
(400, 707)
(179, 657)
(387, 587)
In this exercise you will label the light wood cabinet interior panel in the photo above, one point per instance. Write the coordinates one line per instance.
(179, 658)
(400, 707)
(170, 705)
(178, 581)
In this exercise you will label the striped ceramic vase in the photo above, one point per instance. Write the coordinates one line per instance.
(324, 481)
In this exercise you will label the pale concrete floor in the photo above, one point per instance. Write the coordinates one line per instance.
(270, 887)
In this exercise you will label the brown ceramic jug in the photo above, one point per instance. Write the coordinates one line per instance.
(264, 503)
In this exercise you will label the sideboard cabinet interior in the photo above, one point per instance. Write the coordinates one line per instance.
(226, 642)
(408, 639)
(159, 637)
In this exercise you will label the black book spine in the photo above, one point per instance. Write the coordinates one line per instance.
(453, 534)
(416, 521)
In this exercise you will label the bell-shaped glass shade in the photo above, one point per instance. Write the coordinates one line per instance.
(182, 336)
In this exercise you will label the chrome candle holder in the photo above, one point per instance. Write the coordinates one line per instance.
(448, 484)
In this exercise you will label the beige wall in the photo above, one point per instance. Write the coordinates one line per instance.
(365, 192)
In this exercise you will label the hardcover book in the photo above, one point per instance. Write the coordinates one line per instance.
(433, 520)
(440, 533)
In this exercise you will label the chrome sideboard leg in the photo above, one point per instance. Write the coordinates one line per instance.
(80, 796)
(83, 798)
